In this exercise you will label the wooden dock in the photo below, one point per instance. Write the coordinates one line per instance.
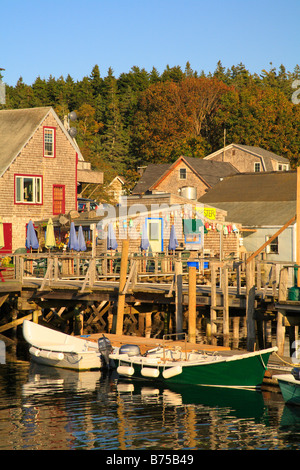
(99, 293)
(150, 343)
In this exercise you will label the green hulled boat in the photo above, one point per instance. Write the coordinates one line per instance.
(289, 385)
(245, 370)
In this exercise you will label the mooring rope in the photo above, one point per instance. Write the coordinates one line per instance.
(285, 362)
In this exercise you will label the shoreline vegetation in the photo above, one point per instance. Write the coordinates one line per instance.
(144, 117)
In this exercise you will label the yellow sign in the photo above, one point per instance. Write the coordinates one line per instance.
(208, 212)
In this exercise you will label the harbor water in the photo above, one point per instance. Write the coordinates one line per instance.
(43, 408)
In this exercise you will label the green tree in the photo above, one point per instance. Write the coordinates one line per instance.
(114, 139)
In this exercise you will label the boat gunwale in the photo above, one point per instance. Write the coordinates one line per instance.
(287, 378)
(138, 360)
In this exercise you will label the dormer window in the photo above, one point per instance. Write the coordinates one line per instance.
(282, 167)
(49, 142)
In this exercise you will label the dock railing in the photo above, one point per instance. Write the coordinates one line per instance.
(269, 276)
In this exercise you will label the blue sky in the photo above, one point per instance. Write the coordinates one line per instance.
(64, 37)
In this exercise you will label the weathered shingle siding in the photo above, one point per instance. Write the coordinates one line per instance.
(60, 170)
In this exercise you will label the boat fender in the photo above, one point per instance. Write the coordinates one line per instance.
(54, 356)
(171, 372)
(125, 370)
(34, 351)
(149, 372)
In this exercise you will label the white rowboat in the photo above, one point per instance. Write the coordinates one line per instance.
(56, 349)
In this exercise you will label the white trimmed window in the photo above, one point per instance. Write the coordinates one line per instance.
(49, 142)
(282, 167)
(28, 189)
(273, 247)
(257, 167)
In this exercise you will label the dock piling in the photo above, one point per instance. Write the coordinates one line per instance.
(121, 297)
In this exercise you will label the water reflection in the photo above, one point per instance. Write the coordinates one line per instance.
(48, 408)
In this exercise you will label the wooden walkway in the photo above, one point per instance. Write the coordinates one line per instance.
(40, 280)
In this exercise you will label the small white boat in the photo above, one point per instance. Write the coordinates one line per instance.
(53, 348)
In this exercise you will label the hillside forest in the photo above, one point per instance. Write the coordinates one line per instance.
(142, 117)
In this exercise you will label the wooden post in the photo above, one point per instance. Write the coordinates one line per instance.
(280, 333)
(250, 305)
(148, 324)
(178, 296)
(225, 302)
(283, 285)
(298, 224)
(121, 298)
(35, 316)
(236, 331)
(213, 299)
(192, 304)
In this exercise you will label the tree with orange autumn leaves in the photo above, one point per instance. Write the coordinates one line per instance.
(142, 117)
(172, 118)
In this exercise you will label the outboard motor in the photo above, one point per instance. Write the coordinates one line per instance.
(130, 350)
(105, 349)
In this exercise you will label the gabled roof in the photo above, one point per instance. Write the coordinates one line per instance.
(209, 172)
(256, 199)
(263, 154)
(17, 126)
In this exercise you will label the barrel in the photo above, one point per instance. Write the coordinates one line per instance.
(294, 293)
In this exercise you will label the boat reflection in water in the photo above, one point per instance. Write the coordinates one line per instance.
(242, 403)
(64, 409)
(46, 381)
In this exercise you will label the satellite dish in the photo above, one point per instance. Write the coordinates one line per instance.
(72, 116)
(73, 132)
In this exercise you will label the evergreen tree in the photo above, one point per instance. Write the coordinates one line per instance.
(114, 141)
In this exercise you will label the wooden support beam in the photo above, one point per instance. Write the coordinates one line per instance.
(121, 298)
(225, 302)
(271, 239)
(298, 224)
(178, 296)
(17, 322)
(213, 299)
(250, 305)
(131, 277)
(192, 304)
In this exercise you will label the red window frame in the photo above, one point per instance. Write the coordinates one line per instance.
(54, 141)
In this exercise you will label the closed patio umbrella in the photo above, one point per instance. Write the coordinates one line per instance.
(111, 238)
(73, 240)
(111, 241)
(31, 238)
(144, 240)
(81, 240)
(50, 238)
(173, 243)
